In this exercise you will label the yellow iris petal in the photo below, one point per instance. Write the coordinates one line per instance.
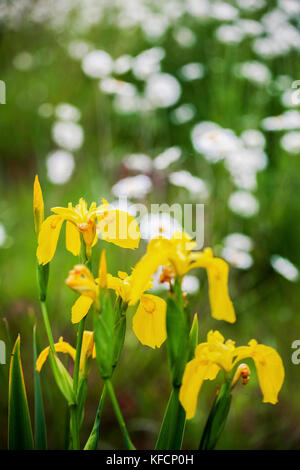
(269, 367)
(194, 374)
(149, 321)
(221, 305)
(48, 238)
(62, 347)
(38, 205)
(120, 228)
(86, 348)
(81, 308)
(73, 242)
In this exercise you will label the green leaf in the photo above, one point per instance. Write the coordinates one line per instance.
(217, 418)
(62, 378)
(19, 425)
(172, 428)
(92, 441)
(193, 339)
(119, 337)
(39, 415)
(177, 339)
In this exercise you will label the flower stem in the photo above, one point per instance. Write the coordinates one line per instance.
(74, 427)
(129, 445)
(78, 354)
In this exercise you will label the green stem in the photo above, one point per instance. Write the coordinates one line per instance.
(78, 354)
(128, 443)
(74, 427)
(47, 326)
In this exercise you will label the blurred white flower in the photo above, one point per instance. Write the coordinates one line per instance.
(250, 27)
(162, 90)
(123, 64)
(223, 11)
(253, 159)
(198, 9)
(239, 259)
(155, 25)
(192, 71)
(213, 142)
(291, 7)
(251, 5)
(147, 62)
(133, 187)
(238, 241)
(23, 61)
(254, 71)
(67, 112)
(97, 64)
(138, 162)
(111, 85)
(78, 48)
(243, 203)
(231, 34)
(284, 267)
(67, 135)
(185, 37)
(2, 234)
(286, 121)
(60, 165)
(184, 113)
(253, 138)
(287, 98)
(190, 284)
(125, 104)
(291, 142)
(193, 184)
(157, 225)
(164, 159)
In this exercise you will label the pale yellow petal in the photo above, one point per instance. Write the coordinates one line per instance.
(48, 238)
(73, 242)
(149, 321)
(60, 347)
(120, 228)
(81, 308)
(87, 347)
(42, 359)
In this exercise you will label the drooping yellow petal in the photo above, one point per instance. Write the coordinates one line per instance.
(62, 347)
(194, 374)
(72, 239)
(149, 321)
(269, 367)
(120, 228)
(82, 281)
(48, 238)
(38, 205)
(221, 305)
(81, 308)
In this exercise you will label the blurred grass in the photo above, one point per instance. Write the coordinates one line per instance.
(267, 305)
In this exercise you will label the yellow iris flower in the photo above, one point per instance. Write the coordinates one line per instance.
(179, 255)
(114, 226)
(87, 350)
(215, 354)
(149, 321)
